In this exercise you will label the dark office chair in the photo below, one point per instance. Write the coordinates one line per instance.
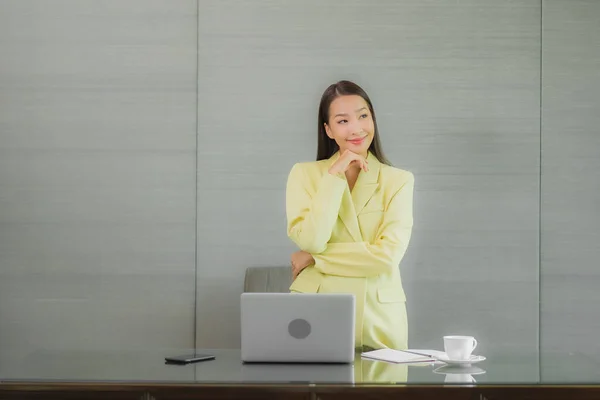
(268, 279)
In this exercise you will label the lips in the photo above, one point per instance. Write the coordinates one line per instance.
(357, 141)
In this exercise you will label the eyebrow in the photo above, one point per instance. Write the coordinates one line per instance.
(344, 114)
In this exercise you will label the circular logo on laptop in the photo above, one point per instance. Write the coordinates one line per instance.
(299, 328)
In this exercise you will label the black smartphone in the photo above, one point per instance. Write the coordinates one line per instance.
(189, 358)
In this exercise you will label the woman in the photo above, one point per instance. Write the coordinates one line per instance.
(350, 213)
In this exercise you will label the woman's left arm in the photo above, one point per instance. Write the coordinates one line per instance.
(363, 259)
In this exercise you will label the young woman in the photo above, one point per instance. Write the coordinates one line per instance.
(350, 213)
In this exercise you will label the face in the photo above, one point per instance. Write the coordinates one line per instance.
(351, 124)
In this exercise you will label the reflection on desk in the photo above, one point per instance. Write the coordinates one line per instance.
(360, 371)
(298, 373)
(149, 366)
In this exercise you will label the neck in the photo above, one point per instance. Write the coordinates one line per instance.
(353, 170)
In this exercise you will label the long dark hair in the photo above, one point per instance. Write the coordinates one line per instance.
(327, 146)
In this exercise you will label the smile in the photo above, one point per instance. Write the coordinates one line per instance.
(357, 141)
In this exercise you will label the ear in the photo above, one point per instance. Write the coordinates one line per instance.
(328, 131)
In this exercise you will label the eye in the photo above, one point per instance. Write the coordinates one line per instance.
(342, 121)
(364, 115)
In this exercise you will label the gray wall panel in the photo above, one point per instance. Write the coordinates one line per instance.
(97, 174)
(456, 90)
(570, 190)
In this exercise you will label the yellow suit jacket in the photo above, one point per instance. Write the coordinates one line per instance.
(357, 239)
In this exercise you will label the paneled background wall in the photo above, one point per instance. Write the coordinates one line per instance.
(456, 89)
(570, 194)
(97, 174)
(145, 145)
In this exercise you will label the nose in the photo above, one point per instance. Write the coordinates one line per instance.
(355, 127)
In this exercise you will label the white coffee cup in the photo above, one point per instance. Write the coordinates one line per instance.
(459, 347)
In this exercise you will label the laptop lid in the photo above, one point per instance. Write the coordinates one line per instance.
(297, 327)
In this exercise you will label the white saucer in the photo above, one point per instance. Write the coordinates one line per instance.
(472, 360)
(454, 369)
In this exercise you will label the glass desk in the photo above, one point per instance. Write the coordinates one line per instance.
(145, 375)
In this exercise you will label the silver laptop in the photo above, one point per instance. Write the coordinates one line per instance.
(297, 327)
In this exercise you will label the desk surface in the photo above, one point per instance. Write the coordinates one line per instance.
(149, 366)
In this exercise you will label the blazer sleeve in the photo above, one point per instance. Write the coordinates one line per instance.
(363, 259)
(311, 217)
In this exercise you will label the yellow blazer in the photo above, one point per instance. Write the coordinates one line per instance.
(357, 239)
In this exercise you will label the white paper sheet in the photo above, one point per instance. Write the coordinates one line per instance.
(399, 356)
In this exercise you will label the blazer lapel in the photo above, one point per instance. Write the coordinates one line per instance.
(366, 184)
(353, 203)
(347, 212)
(348, 216)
